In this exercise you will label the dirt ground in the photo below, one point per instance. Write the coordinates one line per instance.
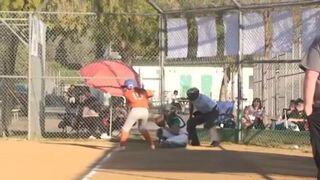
(96, 160)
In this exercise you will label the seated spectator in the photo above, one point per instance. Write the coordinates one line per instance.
(253, 115)
(174, 133)
(90, 113)
(298, 115)
(292, 107)
(293, 118)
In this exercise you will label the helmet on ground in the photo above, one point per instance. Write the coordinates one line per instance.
(130, 83)
(193, 93)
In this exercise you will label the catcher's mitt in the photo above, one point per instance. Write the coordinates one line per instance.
(158, 119)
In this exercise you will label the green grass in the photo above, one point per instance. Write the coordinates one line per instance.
(268, 138)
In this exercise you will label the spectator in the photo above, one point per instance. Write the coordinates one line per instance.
(72, 96)
(298, 115)
(253, 115)
(283, 122)
(90, 109)
(292, 107)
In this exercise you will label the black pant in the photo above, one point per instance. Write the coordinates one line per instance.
(208, 118)
(314, 126)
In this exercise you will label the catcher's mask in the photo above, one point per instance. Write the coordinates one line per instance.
(168, 109)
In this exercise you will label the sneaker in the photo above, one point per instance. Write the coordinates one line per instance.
(105, 136)
(92, 137)
(120, 148)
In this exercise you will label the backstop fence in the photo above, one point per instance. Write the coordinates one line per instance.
(230, 54)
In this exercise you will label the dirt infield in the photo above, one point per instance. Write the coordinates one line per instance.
(74, 160)
(20, 159)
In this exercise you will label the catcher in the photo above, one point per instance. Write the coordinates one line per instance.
(172, 132)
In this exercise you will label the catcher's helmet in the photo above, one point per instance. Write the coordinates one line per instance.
(130, 84)
(169, 108)
(193, 93)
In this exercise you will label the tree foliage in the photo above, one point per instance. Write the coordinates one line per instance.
(19, 5)
(131, 35)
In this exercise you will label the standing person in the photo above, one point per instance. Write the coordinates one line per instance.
(137, 99)
(311, 65)
(206, 111)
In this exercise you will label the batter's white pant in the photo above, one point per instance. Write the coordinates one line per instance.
(134, 115)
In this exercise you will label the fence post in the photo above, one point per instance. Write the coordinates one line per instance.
(37, 30)
(162, 56)
(2, 129)
(239, 103)
(30, 131)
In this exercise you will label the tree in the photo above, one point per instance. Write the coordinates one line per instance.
(130, 35)
(64, 26)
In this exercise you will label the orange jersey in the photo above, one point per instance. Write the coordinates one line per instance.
(138, 100)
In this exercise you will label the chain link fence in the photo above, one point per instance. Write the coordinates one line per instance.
(192, 49)
(92, 38)
(13, 72)
(72, 41)
(271, 43)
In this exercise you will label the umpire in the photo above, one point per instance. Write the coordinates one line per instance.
(202, 109)
(311, 66)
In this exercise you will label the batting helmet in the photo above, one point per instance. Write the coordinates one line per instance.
(130, 84)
